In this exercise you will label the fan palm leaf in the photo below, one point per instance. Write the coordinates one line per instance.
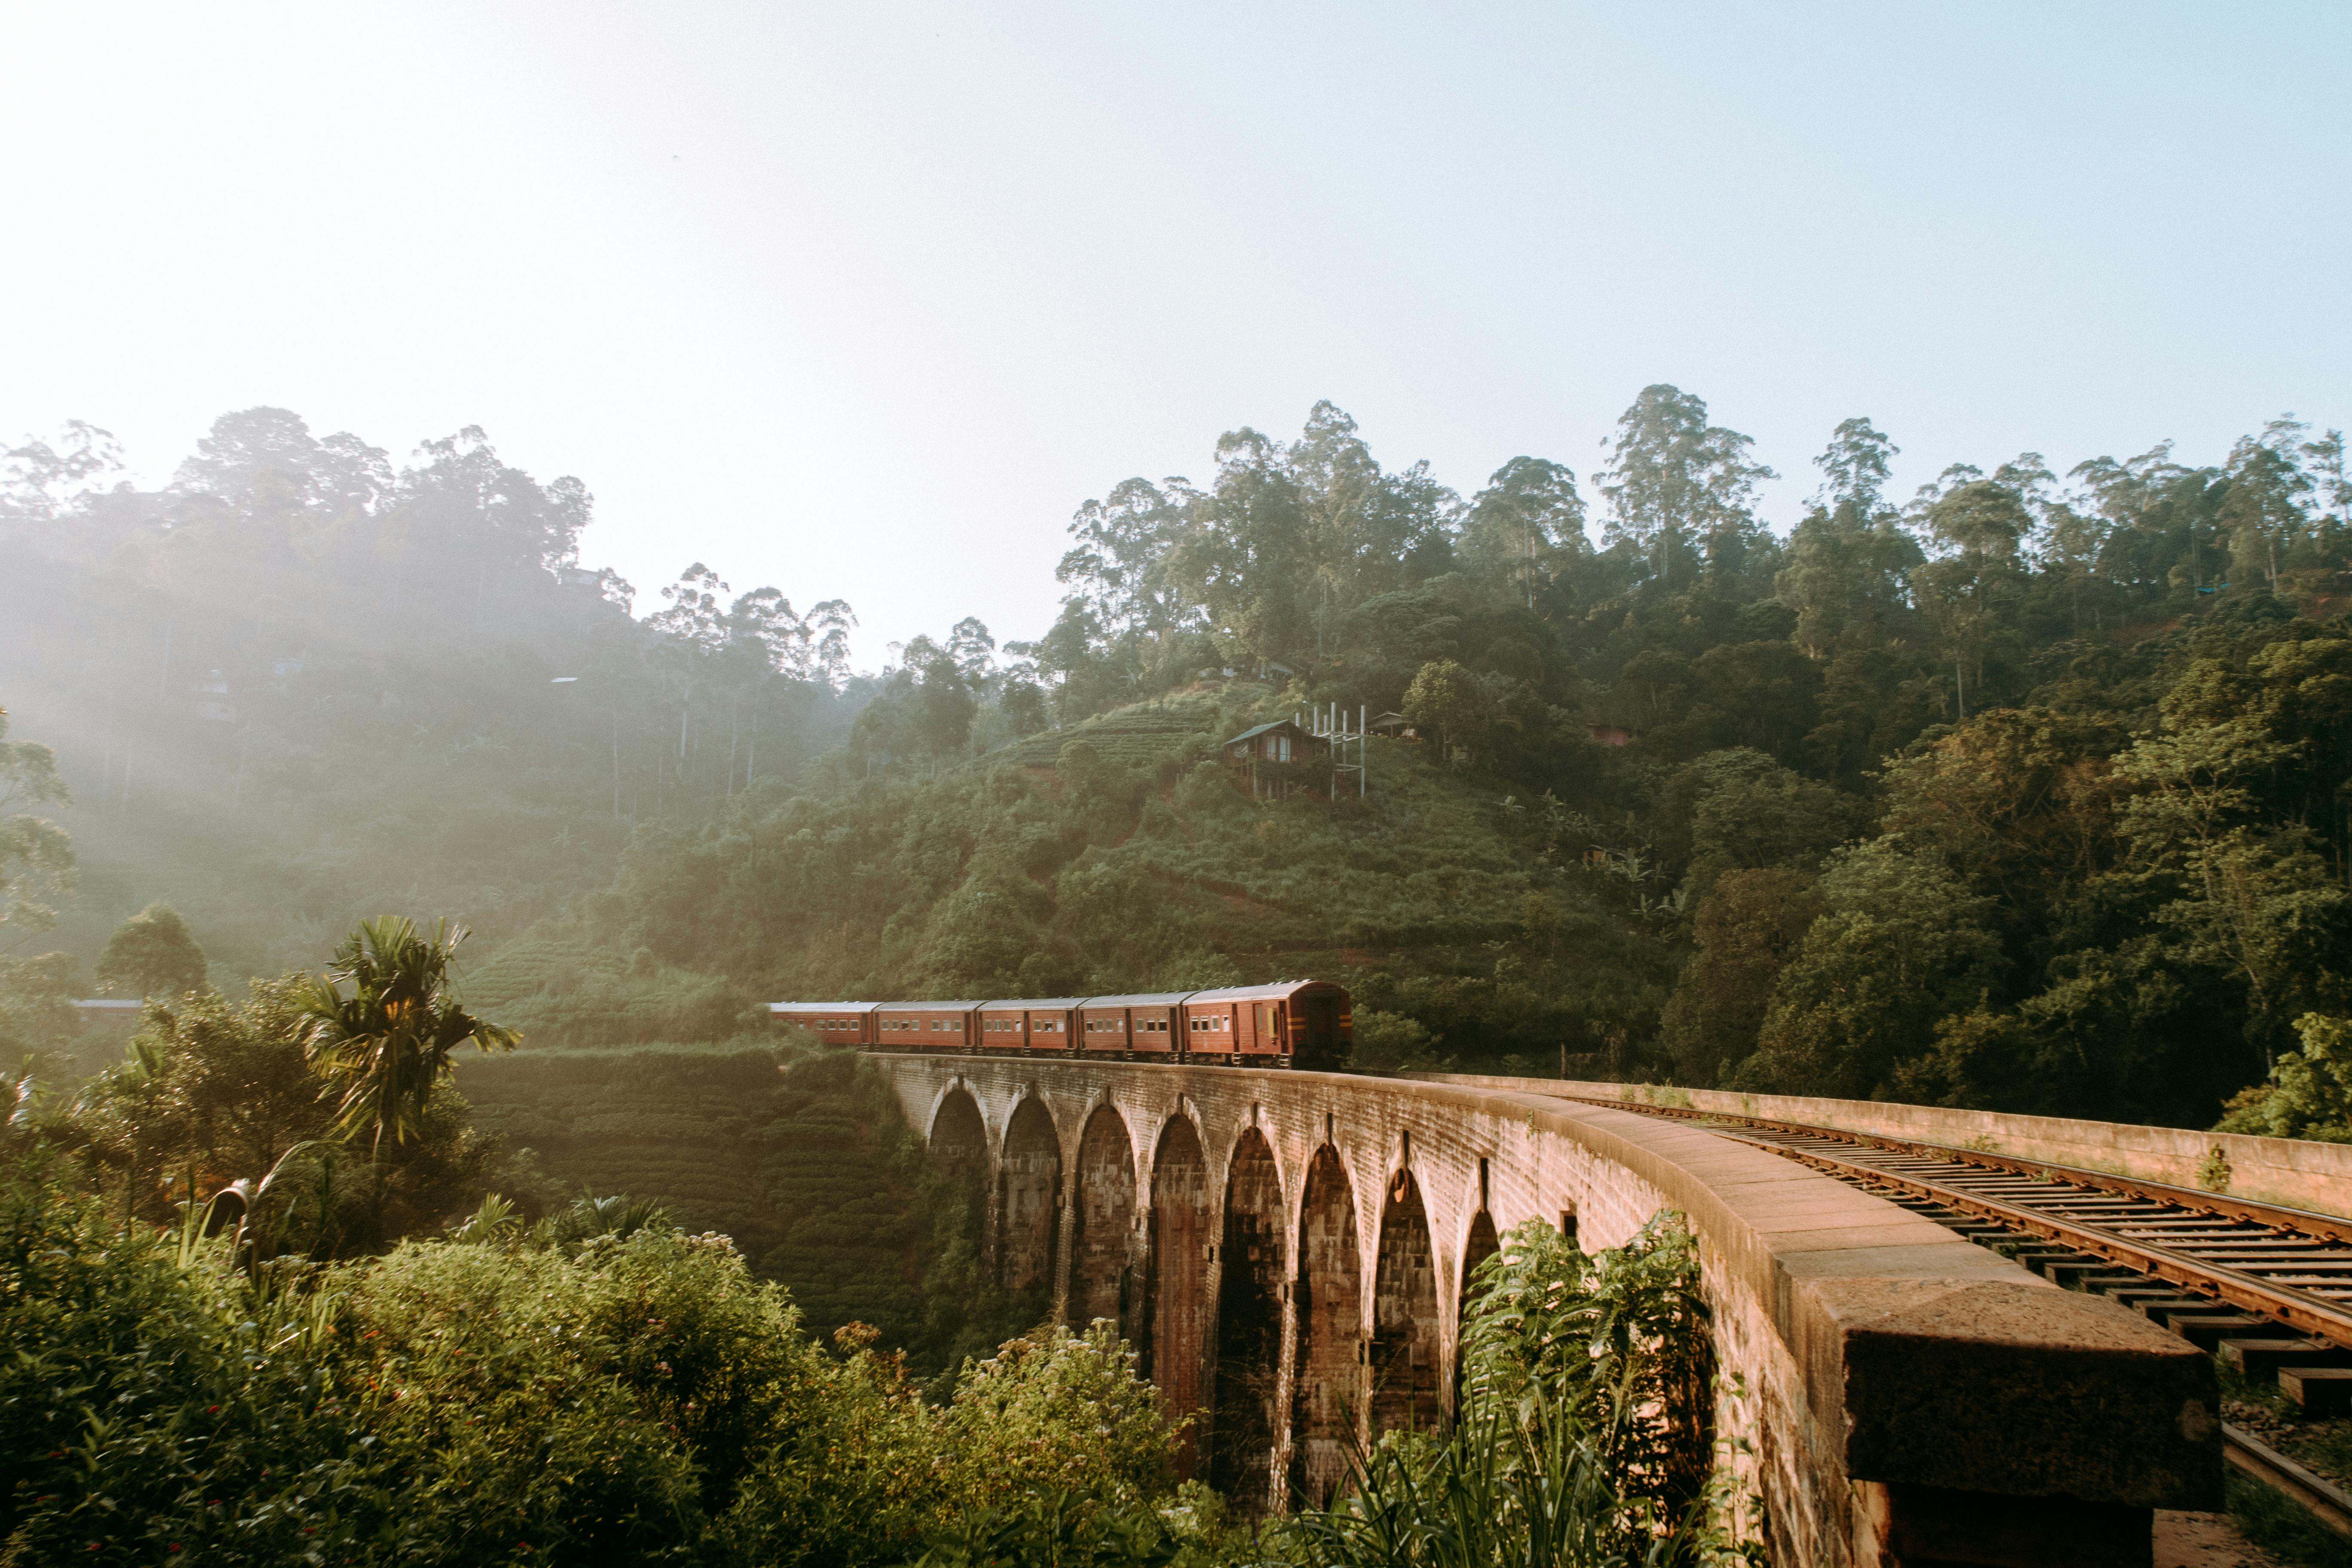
(383, 1048)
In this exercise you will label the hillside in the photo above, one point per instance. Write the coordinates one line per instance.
(1121, 854)
(298, 687)
(803, 1160)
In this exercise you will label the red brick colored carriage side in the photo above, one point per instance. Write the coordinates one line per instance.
(1306, 1022)
(925, 1025)
(1027, 1024)
(1147, 1024)
(835, 1023)
(1303, 1021)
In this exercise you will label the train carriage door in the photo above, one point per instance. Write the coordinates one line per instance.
(1319, 1029)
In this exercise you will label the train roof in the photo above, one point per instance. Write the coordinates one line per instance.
(1259, 992)
(1063, 1003)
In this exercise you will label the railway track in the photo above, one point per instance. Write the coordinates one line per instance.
(2268, 1288)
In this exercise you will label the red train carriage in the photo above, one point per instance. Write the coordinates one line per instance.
(1290, 1022)
(1029, 1024)
(1147, 1025)
(1304, 1023)
(925, 1025)
(835, 1023)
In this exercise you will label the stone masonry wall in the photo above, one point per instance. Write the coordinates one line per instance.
(2292, 1172)
(1887, 1366)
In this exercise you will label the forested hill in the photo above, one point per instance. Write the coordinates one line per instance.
(301, 686)
(2026, 791)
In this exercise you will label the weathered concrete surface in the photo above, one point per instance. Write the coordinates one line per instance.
(2293, 1171)
(1889, 1366)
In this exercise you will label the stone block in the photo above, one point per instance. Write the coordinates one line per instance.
(1930, 1527)
(2025, 1390)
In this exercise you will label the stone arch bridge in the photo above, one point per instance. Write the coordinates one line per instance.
(1287, 1251)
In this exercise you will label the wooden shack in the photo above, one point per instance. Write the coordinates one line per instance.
(1275, 757)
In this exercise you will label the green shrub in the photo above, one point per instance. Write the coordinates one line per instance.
(1584, 1436)
(151, 1404)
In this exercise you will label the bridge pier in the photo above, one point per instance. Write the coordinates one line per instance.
(1288, 1250)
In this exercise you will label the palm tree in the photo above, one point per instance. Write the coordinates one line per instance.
(385, 1048)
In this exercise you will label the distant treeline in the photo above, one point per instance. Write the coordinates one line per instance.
(2027, 790)
(301, 685)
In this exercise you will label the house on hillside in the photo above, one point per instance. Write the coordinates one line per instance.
(1274, 757)
(1395, 726)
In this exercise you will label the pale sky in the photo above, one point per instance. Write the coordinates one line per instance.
(863, 300)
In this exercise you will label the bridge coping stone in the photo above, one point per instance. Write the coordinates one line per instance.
(2297, 1173)
(1910, 1358)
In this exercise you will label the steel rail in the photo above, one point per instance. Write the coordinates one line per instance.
(2313, 1315)
(2323, 1499)
(2316, 1316)
(2306, 1222)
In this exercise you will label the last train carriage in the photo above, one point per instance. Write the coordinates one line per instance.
(1290, 1022)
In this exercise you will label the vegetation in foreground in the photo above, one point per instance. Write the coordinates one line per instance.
(604, 1387)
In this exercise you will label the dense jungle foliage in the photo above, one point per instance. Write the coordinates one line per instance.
(2027, 792)
(605, 1386)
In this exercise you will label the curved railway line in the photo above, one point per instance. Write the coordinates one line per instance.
(2267, 1288)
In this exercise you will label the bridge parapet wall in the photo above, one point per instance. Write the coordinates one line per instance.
(2293, 1171)
(1289, 1250)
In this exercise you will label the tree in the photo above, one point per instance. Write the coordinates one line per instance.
(258, 450)
(813, 647)
(220, 1090)
(36, 854)
(2309, 1091)
(1119, 570)
(1972, 587)
(152, 954)
(1849, 558)
(1523, 522)
(1903, 945)
(1450, 699)
(1748, 926)
(2264, 509)
(2243, 896)
(1680, 487)
(695, 615)
(383, 1048)
(1855, 467)
(36, 478)
(1748, 812)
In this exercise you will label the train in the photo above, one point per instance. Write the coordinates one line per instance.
(1289, 1024)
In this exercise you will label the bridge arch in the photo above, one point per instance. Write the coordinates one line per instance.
(1028, 1198)
(1480, 1244)
(1250, 1276)
(1894, 1368)
(1329, 1287)
(1102, 1224)
(1405, 1327)
(958, 1138)
(1177, 1343)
